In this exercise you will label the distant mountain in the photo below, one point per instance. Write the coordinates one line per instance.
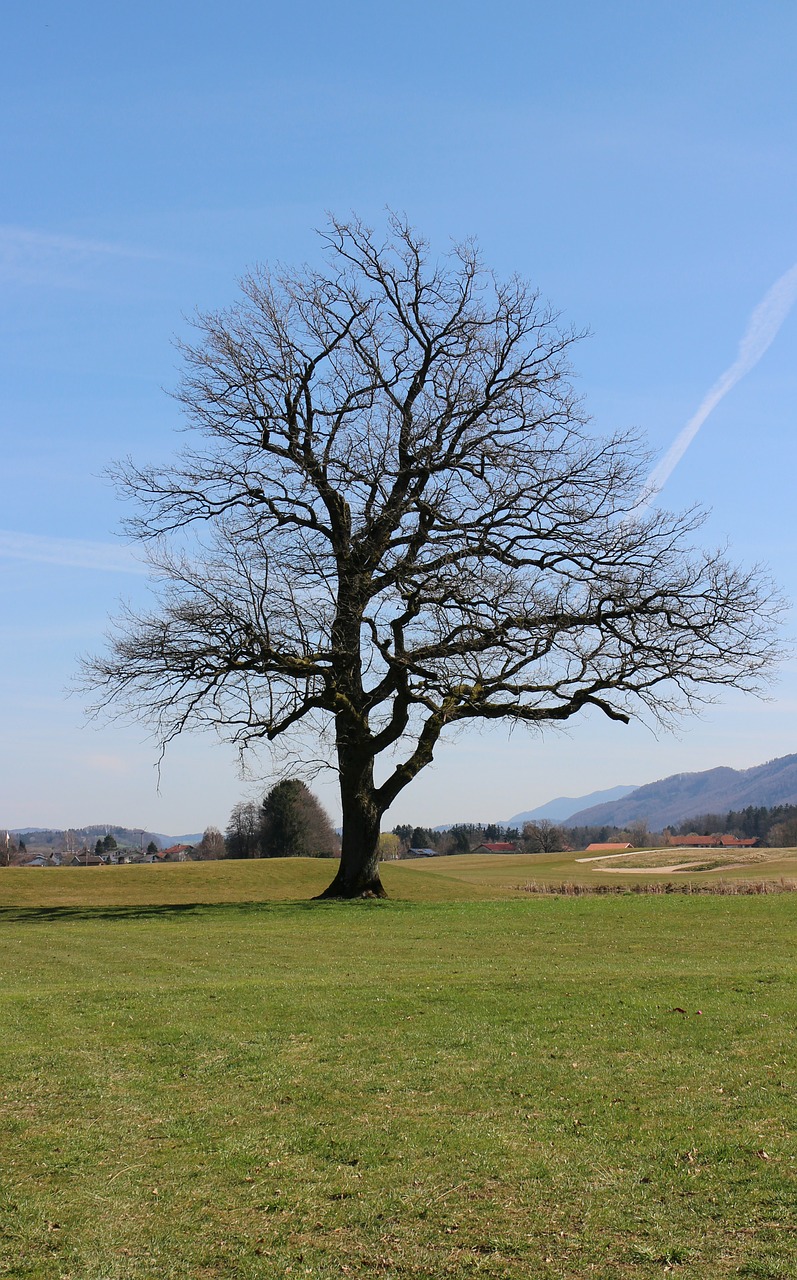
(688, 795)
(132, 836)
(563, 806)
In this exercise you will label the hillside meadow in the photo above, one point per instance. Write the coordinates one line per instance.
(462, 877)
(203, 1075)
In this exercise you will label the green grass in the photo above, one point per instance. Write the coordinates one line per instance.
(467, 877)
(267, 879)
(466, 1088)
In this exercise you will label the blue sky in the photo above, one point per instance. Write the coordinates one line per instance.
(637, 162)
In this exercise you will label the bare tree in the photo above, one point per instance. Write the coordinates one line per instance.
(783, 835)
(389, 847)
(243, 831)
(543, 836)
(9, 849)
(211, 846)
(638, 833)
(397, 521)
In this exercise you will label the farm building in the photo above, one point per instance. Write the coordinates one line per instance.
(716, 841)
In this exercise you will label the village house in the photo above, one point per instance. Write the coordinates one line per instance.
(175, 853)
(716, 841)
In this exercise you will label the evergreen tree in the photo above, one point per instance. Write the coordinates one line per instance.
(293, 823)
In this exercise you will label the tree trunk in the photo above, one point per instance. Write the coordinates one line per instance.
(358, 874)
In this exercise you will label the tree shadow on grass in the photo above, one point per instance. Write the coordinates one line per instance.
(172, 910)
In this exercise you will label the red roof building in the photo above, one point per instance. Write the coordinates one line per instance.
(175, 853)
(716, 841)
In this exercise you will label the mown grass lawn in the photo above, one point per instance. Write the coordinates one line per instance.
(543, 1087)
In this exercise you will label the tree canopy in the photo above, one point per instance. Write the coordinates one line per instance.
(396, 520)
(294, 824)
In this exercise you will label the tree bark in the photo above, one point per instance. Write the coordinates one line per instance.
(358, 874)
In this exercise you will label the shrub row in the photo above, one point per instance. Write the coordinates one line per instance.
(726, 888)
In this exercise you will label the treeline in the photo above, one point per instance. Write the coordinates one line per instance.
(290, 822)
(464, 837)
(460, 838)
(775, 826)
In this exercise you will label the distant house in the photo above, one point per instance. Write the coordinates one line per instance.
(611, 847)
(496, 846)
(175, 853)
(421, 853)
(716, 841)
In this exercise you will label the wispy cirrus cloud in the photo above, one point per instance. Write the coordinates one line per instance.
(761, 331)
(70, 553)
(32, 257)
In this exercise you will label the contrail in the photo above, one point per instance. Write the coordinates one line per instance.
(764, 324)
(72, 553)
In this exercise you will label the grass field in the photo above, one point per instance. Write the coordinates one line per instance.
(466, 877)
(469, 1082)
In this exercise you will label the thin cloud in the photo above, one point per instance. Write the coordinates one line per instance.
(101, 762)
(29, 256)
(70, 553)
(761, 332)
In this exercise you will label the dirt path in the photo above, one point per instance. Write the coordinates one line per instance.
(599, 857)
(676, 866)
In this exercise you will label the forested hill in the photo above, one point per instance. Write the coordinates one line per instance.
(55, 837)
(684, 795)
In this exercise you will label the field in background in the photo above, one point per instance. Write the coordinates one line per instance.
(449, 1086)
(501, 876)
(463, 877)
